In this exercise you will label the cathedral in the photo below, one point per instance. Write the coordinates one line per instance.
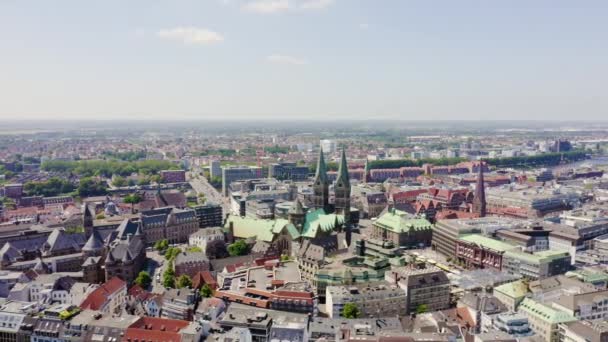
(321, 220)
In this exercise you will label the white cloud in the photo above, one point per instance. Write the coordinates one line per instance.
(277, 6)
(267, 6)
(283, 59)
(314, 4)
(191, 35)
(364, 26)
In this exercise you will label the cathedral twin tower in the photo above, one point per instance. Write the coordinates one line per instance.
(320, 198)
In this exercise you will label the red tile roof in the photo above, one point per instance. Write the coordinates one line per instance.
(97, 299)
(155, 329)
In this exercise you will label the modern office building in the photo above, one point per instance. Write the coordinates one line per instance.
(234, 173)
(209, 215)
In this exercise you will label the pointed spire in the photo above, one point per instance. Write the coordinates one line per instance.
(321, 174)
(479, 201)
(296, 208)
(343, 177)
(109, 258)
(127, 257)
(138, 231)
(366, 173)
(94, 243)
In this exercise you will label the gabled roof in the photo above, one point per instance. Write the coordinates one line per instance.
(399, 222)
(544, 312)
(94, 243)
(125, 228)
(317, 221)
(265, 230)
(515, 289)
(59, 240)
(97, 299)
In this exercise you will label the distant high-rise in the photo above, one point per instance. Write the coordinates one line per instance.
(479, 201)
(215, 169)
(328, 146)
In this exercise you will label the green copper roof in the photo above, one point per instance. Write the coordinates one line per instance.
(265, 230)
(487, 242)
(318, 221)
(397, 221)
(544, 312)
(538, 257)
(321, 169)
(588, 276)
(516, 289)
(343, 171)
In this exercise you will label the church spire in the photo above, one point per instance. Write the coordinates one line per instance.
(479, 201)
(343, 177)
(366, 173)
(321, 174)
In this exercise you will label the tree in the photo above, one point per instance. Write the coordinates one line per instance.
(238, 248)
(161, 245)
(91, 187)
(172, 252)
(169, 277)
(184, 281)
(143, 279)
(351, 310)
(119, 181)
(216, 249)
(284, 257)
(422, 308)
(194, 249)
(132, 199)
(100, 216)
(206, 291)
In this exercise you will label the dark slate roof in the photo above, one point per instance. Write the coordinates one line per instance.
(125, 250)
(125, 228)
(60, 240)
(94, 243)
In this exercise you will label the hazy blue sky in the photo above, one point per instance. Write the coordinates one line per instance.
(228, 59)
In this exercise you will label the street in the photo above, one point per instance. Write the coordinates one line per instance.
(156, 264)
(200, 185)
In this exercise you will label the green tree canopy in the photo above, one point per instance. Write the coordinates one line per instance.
(161, 245)
(143, 279)
(238, 248)
(206, 291)
(91, 187)
(184, 281)
(169, 277)
(351, 310)
(422, 308)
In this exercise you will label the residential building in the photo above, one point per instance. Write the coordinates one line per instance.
(372, 300)
(543, 319)
(190, 263)
(161, 329)
(202, 237)
(173, 176)
(584, 306)
(584, 331)
(109, 298)
(429, 286)
(512, 323)
(178, 304)
(511, 294)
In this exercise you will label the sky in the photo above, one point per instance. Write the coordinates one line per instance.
(303, 59)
